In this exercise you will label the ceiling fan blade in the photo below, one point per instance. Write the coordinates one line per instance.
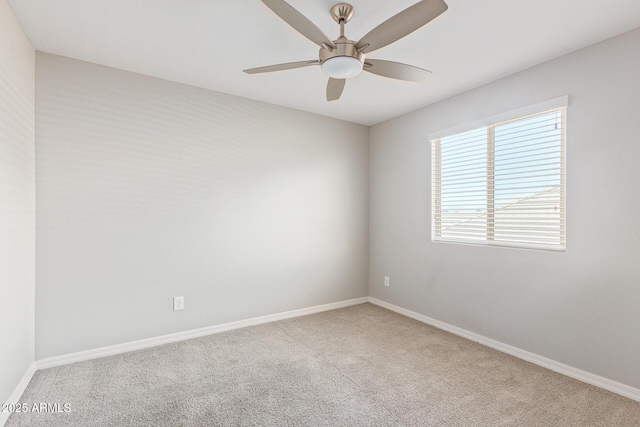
(298, 21)
(396, 70)
(335, 88)
(401, 25)
(281, 67)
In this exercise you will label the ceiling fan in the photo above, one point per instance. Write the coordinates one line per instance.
(343, 58)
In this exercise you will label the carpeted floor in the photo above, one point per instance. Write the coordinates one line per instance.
(358, 366)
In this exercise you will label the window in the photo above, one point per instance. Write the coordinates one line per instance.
(502, 183)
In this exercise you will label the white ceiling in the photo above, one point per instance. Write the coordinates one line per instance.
(207, 43)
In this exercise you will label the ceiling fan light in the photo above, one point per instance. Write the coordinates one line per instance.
(342, 67)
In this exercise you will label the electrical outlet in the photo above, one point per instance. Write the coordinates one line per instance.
(387, 281)
(178, 303)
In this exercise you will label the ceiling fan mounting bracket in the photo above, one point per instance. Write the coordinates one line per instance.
(342, 12)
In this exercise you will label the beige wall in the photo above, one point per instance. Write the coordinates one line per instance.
(17, 202)
(149, 189)
(580, 307)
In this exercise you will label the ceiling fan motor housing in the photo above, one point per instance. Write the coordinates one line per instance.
(343, 61)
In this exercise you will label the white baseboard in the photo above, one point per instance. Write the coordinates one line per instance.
(180, 336)
(17, 392)
(587, 377)
(578, 374)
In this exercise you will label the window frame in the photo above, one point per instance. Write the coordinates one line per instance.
(490, 123)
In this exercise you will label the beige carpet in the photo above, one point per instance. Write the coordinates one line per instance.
(358, 366)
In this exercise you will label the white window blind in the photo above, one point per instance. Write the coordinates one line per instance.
(502, 184)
